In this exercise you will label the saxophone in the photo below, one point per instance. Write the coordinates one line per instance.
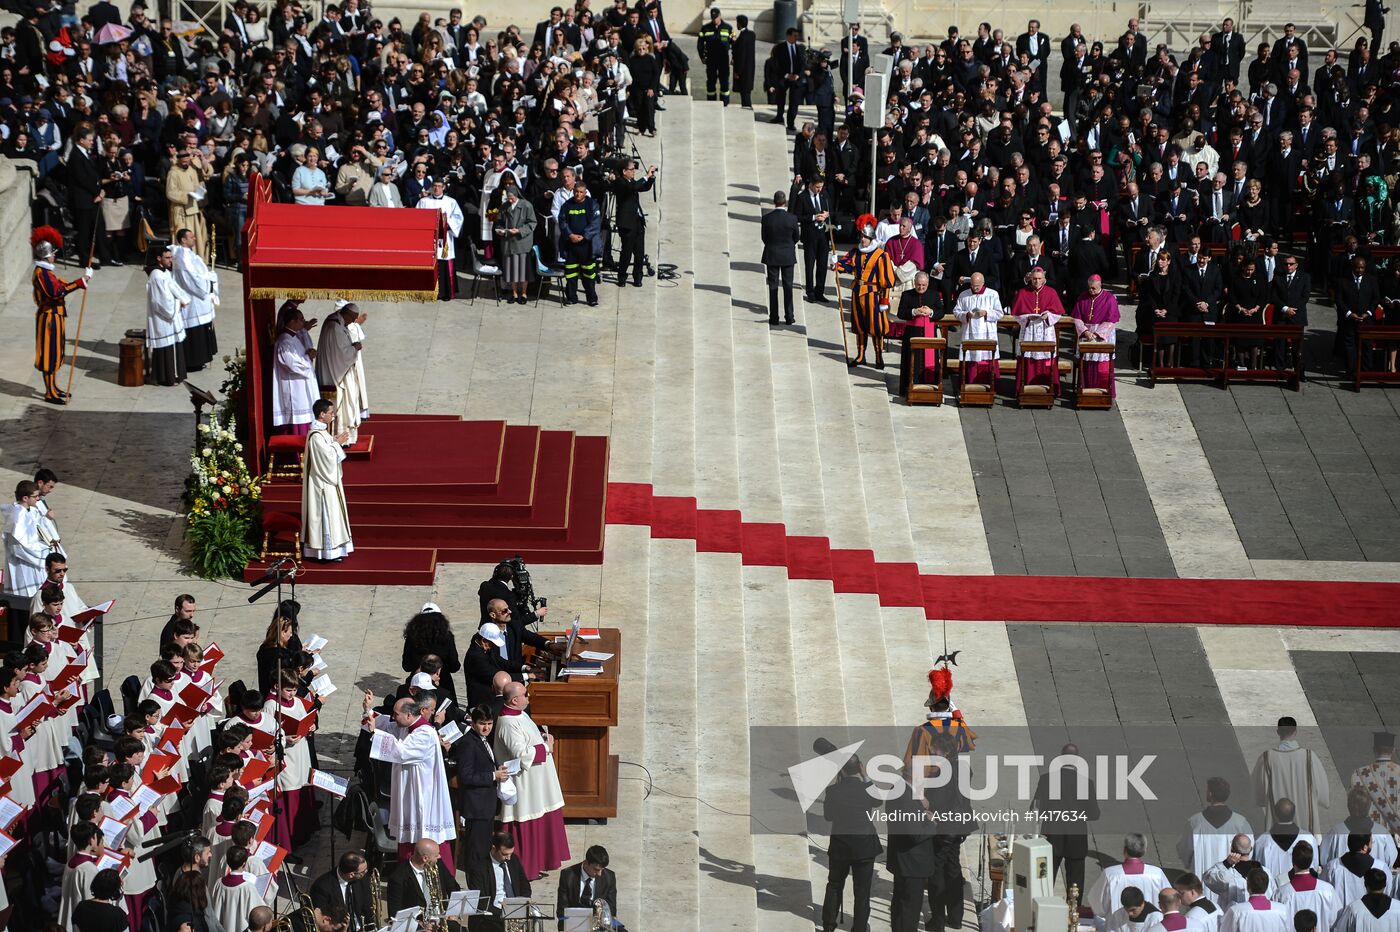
(376, 905)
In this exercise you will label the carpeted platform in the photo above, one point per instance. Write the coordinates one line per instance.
(435, 489)
(1010, 598)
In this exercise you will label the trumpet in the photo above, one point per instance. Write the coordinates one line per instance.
(376, 905)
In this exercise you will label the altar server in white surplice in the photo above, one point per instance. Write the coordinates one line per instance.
(1290, 771)
(1106, 893)
(1347, 874)
(1257, 913)
(1274, 848)
(451, 211)
(325, 517)
(1303, 889)
(236, 893)
(420, 805)
(1226, 879)
(1134, 913)
(1200, 909)
(294, 388)
(202, 286)
(1373, 912)
(336, 356)
(1206, 840)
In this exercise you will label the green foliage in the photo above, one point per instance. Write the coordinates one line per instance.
(222, 495)
(221, 544)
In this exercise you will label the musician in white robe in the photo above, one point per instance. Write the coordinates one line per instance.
(1134, 914)
(24, 548)
(1358, 822)
(1347, 874)
(1257, 913)
(1106, 893)
(294, 388)
(535, 818)
(1200, 909)
(1290, 771)
(1206, 840)
(452, 217)
(202, 286)
(336, 356)
(236, 894)
(1303, 889)
(1226, 879)
(978, 309)
(1274, 848)
(1373, 912)
(325, 516)
(165, 320)
(420, 804)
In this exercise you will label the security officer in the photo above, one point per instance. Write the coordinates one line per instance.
(715, 38)
(581, 242)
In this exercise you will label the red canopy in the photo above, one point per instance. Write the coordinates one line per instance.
(303, 252)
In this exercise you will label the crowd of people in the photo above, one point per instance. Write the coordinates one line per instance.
(1127, 169)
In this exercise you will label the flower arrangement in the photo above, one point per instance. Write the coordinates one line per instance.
(223, 498)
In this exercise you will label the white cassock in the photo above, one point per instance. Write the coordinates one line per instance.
(13, 744)
(1275, 852)
(452, 213)
(357, 333)
(165, 321)
(1334, 843)
(420, 805)
(235, 896)
(195, 280)
(1291, 772)
(1205, 915)
(1347, 875)
(336, 355)
(1105, 895)
(1176, 921)
(24, 552)
(1375, 912)
(76, 887)
(48, 533)
(140, 875)
(325, 518)
(1120, 921)
(1207, 838)
(294, 388)
(1306, 891)
(1257, 914)
(537, 784)
(489, 184)
(296, 758)
(980, 328)
(1227, 882)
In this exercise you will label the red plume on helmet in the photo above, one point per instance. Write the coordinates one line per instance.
(46, 235)
(941, 679)
(865, 224)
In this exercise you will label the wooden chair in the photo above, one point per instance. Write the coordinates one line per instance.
(922, 382)
(1035, 396)
(1098, 399)
(284, 453)
(281, 536)
(977, 394)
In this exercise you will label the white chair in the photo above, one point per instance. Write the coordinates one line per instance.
(547, 275)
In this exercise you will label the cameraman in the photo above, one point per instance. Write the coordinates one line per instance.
(503, 585)
(823, 94)
(631, 223)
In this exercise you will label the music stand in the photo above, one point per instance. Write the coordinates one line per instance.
(199, 397)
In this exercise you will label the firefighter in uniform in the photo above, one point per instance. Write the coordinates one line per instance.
(580, 242)
(716, 36)
(872, 276)
(51, 316)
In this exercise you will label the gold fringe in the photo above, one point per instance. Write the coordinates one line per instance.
(330, 294)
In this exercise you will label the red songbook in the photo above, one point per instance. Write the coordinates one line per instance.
(212, 655)
(36, 715)
(272, 856)
(262, 740)
(171, 738)
(84, 619)
(194, 695)
(9, 766)
(253, 772)
(264, 829)
(69, 634)
(67, 676)
(155, 763)
(67, 700)
(179, 713)
(300, 727)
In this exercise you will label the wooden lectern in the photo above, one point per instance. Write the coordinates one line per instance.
(579, 711)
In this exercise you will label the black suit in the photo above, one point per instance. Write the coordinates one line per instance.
(1293, 295)
(1229, 53)
(571, 889)
(325, 891)
(482, 876)
(84, 184)
(780, 231)
(984, 262)
(631, 226)
(1355, 303)
(854, 846)
(476, 795)
(941, 248)
(480, 667)
(1070, 849)
(816, 244)
(790, 59)
(404, 890)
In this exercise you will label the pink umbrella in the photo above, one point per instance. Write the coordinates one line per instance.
(112, 32)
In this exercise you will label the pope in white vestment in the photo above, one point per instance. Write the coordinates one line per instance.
(535, 818)
(420, 804)
(325, 517)
(337, 354)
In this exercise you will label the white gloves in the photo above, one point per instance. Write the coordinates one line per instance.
(87, 273)
(831, 261)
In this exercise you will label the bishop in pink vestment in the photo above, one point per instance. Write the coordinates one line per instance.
(1096, 316)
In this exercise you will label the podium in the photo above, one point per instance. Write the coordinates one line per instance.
(579, 711)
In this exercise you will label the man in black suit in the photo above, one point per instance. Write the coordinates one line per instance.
(1202, 290)
(1036, 44)
(630, 221)
(940, 249)
(589, 880)
(1079, 807)
(792, 58)
(744, 61)
(1034, 258)
(1228, 46)
(977, 258)
(780, 231)
(854, 844)
(813, 210)
(514, 636)
(478, 775)
(862, 61)
(482, 662)
(1291, 291)
(544, 31)
(1177, 214)
(498, 877)
(347, 887)
(1357, 298)
(85, 195)
(408, 881)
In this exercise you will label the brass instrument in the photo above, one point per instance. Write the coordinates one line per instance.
(436, 907)
(307, 911)
(1072, 899)
(376, 904)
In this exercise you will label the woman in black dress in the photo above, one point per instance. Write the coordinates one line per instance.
(1247, 295)
(1159, 299)
(429, 632)
(1255, 216)
(100, 912)
(646, 81)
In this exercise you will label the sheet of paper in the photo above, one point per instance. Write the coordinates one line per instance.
(462, 903)
(512, 766)
(318, 663)
(450, 732)
(112, 860)
(384, 747)
(266, 885)
(122, 808)
(322, 685)
(113, 832)
(256, 791)
(595, 655)
(314, 642)
(337, 786)
(145, 797)
(7, 842)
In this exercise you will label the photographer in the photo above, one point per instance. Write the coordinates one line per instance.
(631, 223)
(823, 93)
(506, 584)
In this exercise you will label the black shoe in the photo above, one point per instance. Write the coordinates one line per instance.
(776, 119)
(879, 365)
(636, 283)
(593, 303)
(117, 263)
(53, 400)
(852, 363)
(622, 283)
(789, 321)
(772, 321)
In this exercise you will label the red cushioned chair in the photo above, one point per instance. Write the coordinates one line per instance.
(281, 536)
(284, 452)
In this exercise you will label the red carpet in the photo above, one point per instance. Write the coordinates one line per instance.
(430, 489)
(1011, 598)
